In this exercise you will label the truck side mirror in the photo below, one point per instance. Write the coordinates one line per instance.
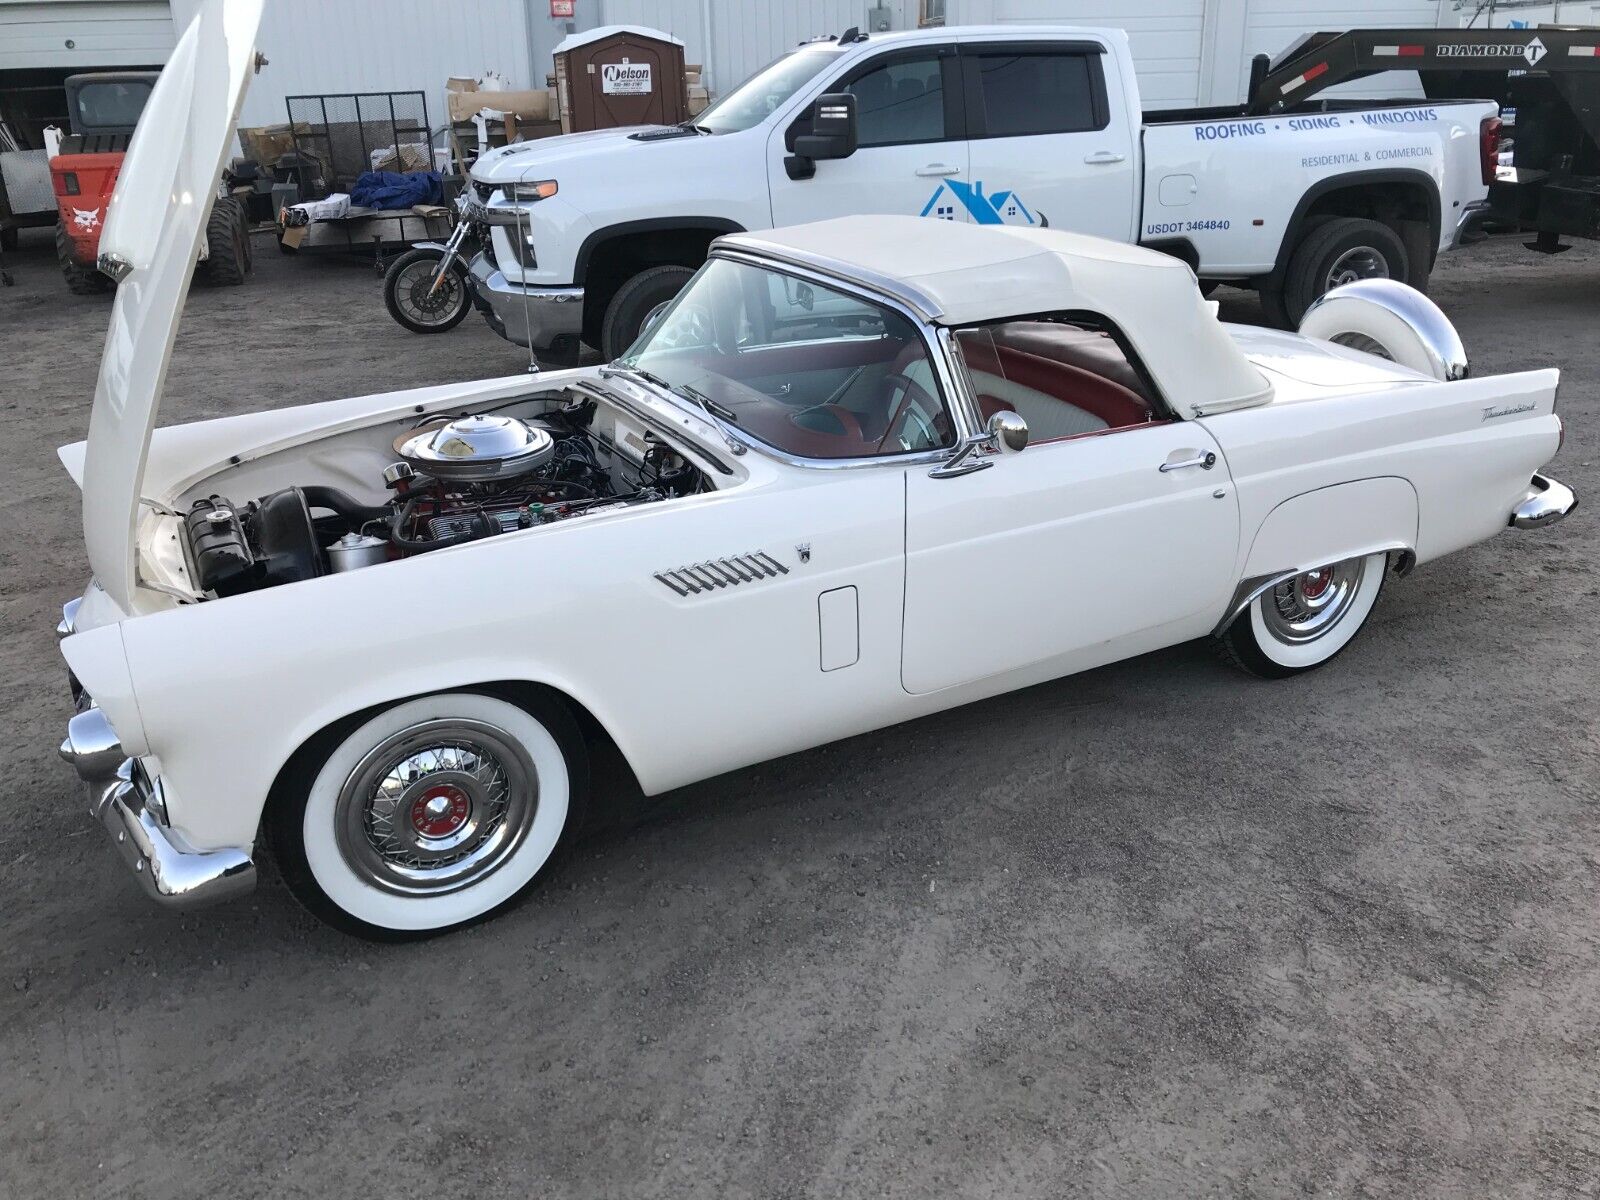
(833, 135)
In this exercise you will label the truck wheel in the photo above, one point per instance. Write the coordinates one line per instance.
(435, 813)
(1337, 252)
(227, 257)
(634, 302)
(81, 280)
(244, 235)
(1306, 621)
(412, 300)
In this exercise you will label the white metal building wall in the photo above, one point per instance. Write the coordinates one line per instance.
(85, 33)
(381, 46)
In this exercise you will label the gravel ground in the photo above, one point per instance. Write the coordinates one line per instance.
(1156, 930)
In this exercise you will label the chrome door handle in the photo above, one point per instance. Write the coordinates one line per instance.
(938, 169)
(1204, 461)
(1100, 157)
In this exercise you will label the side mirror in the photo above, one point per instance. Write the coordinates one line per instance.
(833, 135)
(1009, 432)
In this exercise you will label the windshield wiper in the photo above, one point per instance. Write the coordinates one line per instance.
(707, 403)
(720, 417)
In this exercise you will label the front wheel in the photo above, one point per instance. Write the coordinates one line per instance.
(636, 302)
(435, 813)
(1305, 621)
(417, 300)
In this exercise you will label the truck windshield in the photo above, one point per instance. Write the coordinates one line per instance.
(814, 372)
(754, 100)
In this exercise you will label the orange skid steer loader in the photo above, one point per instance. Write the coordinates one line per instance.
(104, 107)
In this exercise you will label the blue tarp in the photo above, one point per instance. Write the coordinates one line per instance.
(386, 189)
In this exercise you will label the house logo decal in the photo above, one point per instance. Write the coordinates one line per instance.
(995, 208)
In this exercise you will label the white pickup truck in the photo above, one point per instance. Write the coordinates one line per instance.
(1018, 125)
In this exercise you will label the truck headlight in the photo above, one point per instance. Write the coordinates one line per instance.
(542, 190)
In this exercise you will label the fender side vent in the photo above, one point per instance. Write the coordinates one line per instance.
(722, 572)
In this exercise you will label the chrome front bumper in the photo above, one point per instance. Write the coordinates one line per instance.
(536, 317)
(1546, 502)
(131, 806)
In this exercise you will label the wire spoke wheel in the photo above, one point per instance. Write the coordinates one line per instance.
(1307, 607)
(436, 807)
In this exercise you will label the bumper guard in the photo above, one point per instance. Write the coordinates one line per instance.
(1546, 502)
(131, 806)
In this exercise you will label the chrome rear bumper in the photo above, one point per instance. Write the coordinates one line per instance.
(1546, 502)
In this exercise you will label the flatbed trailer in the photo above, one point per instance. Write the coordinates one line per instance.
(1550, 75)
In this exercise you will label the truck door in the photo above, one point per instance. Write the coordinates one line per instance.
(1050, 142)
(911, 154)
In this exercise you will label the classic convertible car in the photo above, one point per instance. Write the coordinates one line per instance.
(856, 472)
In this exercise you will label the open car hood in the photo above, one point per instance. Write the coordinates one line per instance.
(150, 244)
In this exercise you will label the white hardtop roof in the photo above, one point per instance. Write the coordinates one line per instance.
(958, 274)
(573, 40)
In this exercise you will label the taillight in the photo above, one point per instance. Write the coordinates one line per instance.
(69, 183)
(1489, 148)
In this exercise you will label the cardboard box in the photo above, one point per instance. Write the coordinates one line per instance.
(266, 144)
(527, 106)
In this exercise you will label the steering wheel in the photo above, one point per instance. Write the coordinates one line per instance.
(692, 327)
(910, 389)
(849, 423)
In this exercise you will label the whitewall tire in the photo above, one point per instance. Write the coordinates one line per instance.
(1304, 622)
(430, 814)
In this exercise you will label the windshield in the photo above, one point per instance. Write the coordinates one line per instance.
(112, 105)
(756, 98)
(815, 372)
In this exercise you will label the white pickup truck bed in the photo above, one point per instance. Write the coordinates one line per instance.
(1236, 187)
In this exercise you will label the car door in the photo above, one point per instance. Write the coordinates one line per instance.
(1050, 142)
(911, 151)
(1081, 539)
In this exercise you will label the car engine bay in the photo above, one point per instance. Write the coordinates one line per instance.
(454, 480)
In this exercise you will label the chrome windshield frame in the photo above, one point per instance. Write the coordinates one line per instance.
(953, 393)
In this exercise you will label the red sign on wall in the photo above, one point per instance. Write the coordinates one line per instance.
(561, 9)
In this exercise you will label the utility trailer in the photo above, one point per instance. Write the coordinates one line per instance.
(1550, 76)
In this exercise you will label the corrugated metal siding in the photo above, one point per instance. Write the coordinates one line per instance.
(1272, 26)
(103, 33)
(381, 46)
(744, 36)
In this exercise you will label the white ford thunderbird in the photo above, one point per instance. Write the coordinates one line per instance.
(900, 464)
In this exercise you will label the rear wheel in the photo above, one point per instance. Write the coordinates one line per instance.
(81, 280)
(635, 303)
(1304, 622)
(413, 299)
(1340, 251)
(227, 259)
(435, 813)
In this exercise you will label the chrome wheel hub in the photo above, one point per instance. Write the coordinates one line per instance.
(1358, 262)
(1310, 605)
(436, 807)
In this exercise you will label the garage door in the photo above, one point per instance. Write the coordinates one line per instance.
(1165, 35)
(85, 34)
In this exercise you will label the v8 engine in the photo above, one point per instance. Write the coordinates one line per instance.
(453, 481)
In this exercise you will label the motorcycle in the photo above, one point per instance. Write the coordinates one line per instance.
(427, 289)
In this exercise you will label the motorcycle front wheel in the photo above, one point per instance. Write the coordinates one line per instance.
(413, 300)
